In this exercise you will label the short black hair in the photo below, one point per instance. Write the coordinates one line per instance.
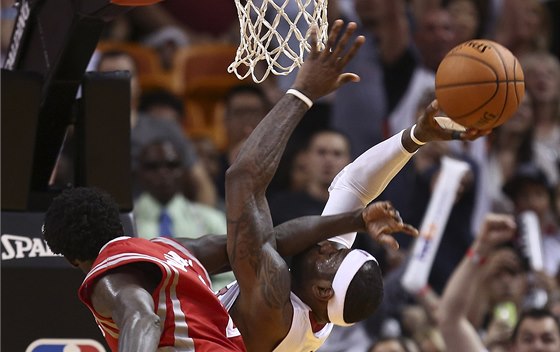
(158, 97)
(248, 89)
(364, 293)
(326, 130)
(534, 313)
(113, 54)
(80, 221)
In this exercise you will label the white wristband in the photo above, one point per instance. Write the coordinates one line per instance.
(301, 96)
(413, 137)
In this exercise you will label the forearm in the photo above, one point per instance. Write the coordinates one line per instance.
(296, 235)
(359, 183)
(459, 292)
(210, 250)
(451, 314)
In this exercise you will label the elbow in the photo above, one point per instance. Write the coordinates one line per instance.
(239, 174)
(145, 323)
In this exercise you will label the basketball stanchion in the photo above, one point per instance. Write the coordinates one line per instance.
(426, 245)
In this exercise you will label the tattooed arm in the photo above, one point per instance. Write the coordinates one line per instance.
(263, 310)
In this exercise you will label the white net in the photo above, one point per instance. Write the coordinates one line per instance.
(276, 32)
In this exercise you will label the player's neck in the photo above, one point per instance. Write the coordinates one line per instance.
(315, 326)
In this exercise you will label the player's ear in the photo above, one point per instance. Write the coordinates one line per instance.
(322, 290)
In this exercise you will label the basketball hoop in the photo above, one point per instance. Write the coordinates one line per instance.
(261, 40)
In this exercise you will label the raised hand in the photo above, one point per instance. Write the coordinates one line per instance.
(496, 229)
(382, 220)
(321, 73)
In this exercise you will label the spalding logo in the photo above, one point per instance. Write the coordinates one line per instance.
(65, 345)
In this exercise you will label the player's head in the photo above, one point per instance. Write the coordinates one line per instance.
(80, 221)
(345, 284)
(536, 330)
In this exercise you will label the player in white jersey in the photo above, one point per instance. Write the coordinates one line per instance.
(278, 309)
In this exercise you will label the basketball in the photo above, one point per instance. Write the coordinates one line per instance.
(479, 84)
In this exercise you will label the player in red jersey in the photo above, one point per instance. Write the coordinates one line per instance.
(144, 295)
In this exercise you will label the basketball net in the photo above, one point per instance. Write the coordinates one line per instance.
(261, 41)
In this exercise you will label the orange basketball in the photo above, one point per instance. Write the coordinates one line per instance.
(479, 84)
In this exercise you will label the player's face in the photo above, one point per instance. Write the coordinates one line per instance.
(537, 335)
(320, 260)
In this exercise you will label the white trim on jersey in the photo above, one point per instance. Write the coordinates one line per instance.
(186, 252)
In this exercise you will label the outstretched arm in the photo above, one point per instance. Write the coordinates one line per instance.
(360, 182)
(460, 291)
(292, 237)
(262, 274)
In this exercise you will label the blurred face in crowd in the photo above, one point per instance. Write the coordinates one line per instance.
(465, 19)
(299, 173)
(537, 335)
(328, 153)
(504, 276)
(208, 154)
(530, 18)
(161, 171)
(434, 37)
(533, 196)
(542, 77)
(244, 111)
(522, 120)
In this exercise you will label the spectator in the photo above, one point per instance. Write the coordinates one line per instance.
(529, 189)
(164, 105)
(534, 330)
(542, 79)
(162, 209)
(327, 153)
(524, 26)
(145, 128)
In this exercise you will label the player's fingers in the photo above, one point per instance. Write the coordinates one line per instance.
(314, 53)
(333, 35)
(410, 230)
(431, 110)
(360, 40)
(389, 241)
(341, 45)
(347, 77)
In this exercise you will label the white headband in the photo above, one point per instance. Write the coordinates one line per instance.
(345, 273)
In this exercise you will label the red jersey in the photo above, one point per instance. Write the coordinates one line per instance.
(192, 317)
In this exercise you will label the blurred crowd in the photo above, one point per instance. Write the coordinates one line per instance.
(189, 118)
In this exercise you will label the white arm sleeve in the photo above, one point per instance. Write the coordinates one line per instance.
(363, 180)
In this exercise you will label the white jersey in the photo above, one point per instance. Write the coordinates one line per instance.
(301, 337)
